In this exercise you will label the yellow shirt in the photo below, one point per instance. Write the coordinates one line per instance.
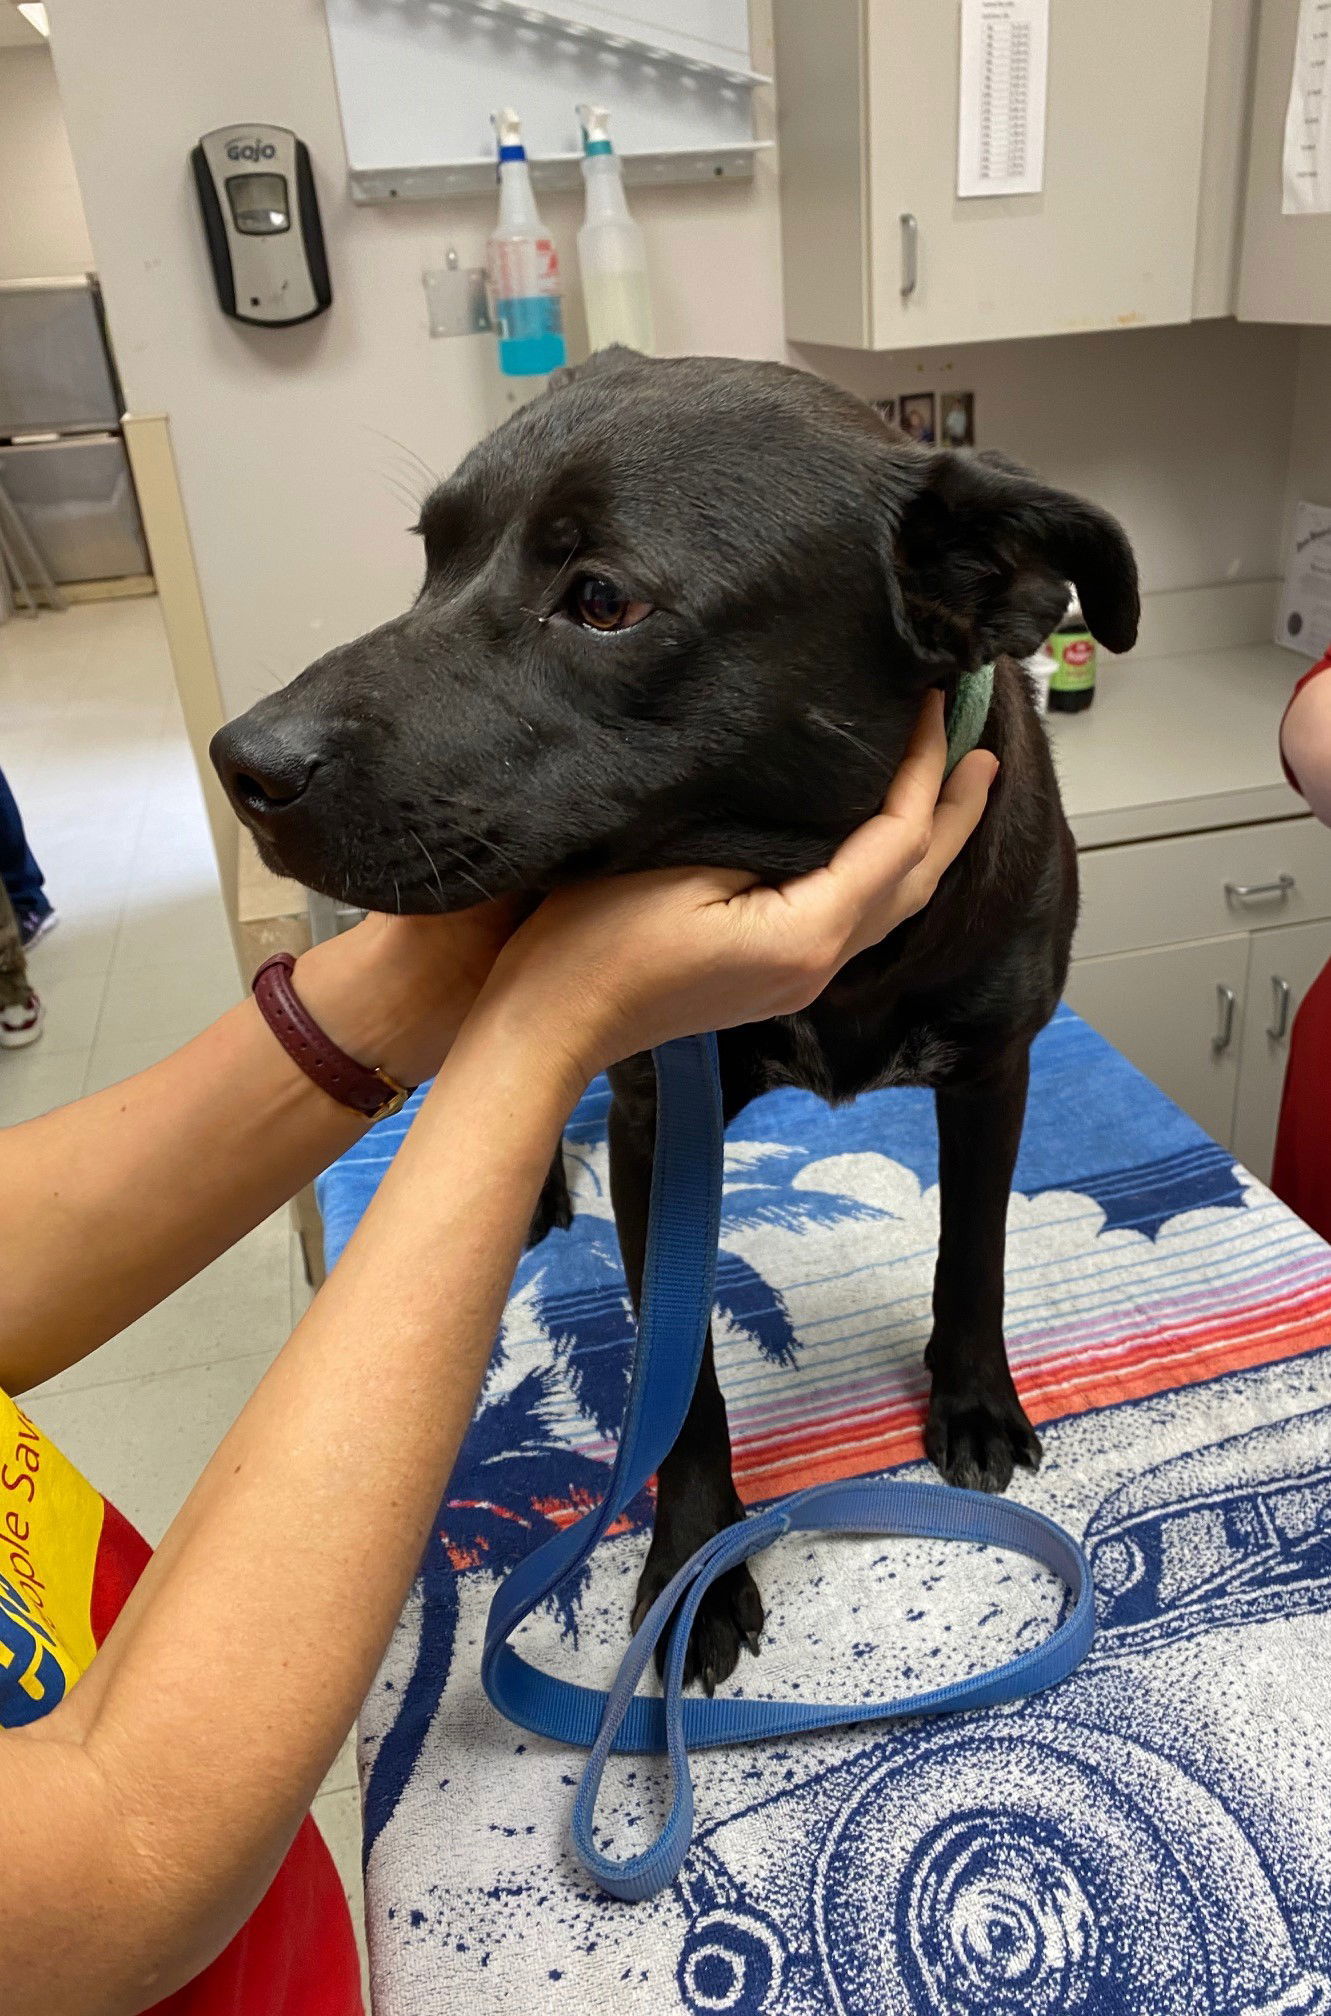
(50, 1530)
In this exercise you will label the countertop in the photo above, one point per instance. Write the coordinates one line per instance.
(1178, 745)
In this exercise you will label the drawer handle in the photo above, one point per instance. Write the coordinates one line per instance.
(910, 253)
(1226, 1002)
(1256, 892)
(1278, 1028)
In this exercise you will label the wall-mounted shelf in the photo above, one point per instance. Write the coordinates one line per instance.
(418, 79)
(554, 171)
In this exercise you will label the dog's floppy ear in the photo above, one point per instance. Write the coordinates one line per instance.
(981, 552)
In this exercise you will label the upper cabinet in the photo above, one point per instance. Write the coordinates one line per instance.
(1285, 262)
(880, 251)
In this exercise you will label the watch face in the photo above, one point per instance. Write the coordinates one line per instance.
(259, 204)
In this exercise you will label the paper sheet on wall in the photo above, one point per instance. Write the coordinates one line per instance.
(1303, 620)
(1004, 79)
(1307, 176)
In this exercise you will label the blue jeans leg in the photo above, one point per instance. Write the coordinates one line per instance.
(19, 872)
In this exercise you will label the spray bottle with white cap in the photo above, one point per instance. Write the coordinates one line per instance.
(522, 273)
(611, 251)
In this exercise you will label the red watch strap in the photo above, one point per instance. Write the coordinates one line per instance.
(366, 1090)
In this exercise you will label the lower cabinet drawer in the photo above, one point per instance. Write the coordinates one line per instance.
(1204, 885)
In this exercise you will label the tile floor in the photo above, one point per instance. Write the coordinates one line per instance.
(92, 741)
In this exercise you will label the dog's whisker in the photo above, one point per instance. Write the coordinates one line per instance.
(430, 864)
(456, 862)
(821, 720)
(543, 616)
(467, 876)
(401, 493)
(482, 840)
(432, 476)
(562, 569)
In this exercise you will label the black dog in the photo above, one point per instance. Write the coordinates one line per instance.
(686, 612)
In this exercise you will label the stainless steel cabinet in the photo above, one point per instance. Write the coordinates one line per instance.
(56, 374)
(76, 497)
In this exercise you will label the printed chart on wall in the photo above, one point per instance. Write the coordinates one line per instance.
(1303, 620)
(1307, 164)
(1004, 89)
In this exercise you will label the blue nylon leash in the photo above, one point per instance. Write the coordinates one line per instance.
(678, 1281)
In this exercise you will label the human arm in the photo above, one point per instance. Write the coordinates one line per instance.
(182, 1762)
(1305, 743)
(115, 1200)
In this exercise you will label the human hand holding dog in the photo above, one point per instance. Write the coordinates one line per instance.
(608, 968)
(394, 991)
(118, 1198)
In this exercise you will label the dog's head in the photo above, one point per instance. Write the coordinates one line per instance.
(673, 611)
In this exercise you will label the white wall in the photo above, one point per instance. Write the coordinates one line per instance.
(1309, 476)
(42, 227)
(286, 439)
(1183, 433)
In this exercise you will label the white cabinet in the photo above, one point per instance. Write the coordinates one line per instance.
(1178, 1012)
(867, 95)
(1282, 966)
(1163, 184)
(1209, 1022)
(1285, 262)
(1207, 1017)
(1201, 870)
(1204, 885)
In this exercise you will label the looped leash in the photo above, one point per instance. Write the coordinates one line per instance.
(678, 1281)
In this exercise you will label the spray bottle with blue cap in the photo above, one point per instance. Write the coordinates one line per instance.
(611, 250)
(522, 273)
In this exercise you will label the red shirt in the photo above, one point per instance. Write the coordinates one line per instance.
(1301, 1173)
(68, 1561)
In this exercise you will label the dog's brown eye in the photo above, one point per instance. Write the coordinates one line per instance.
(601, 605)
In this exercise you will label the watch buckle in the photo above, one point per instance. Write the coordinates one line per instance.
(398, 1096)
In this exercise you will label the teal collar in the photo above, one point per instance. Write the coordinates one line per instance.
(970, 711)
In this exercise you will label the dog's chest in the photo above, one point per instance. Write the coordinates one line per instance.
(839, 1064)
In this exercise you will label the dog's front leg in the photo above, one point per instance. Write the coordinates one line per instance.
(695, 1495)
(554, 1206)
(977, 1429)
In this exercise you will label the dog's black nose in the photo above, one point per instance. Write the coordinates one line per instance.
(263, 773)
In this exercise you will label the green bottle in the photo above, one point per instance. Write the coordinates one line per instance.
(1072, 649)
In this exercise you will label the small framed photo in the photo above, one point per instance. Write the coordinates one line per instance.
(886, 409)
(917, 415)
(957, 419)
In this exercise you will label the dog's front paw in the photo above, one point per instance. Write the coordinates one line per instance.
(977, 1438)
(729, 1617)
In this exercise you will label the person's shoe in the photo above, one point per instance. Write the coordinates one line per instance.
(21, 1024)
(34, 923)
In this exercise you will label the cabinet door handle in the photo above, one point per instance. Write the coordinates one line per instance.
(1254, 892)
(1226, 1002)
(1278, 1027)
(910, 253)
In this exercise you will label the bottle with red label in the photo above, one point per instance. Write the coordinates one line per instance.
(1072, 649)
